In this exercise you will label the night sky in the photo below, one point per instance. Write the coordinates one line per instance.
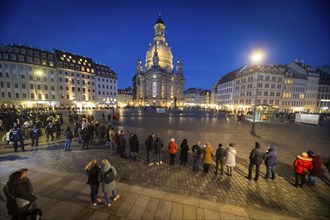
(213, 37)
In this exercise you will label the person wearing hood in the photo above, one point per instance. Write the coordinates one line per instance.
(270, 161)
(207, 157)
(172, 149)
(317, 164)
(158, 145)
(184, 153)
(111, 187)
(219, 158)
(302, 166)
(230, 158)
(18, 186)
(257, 155)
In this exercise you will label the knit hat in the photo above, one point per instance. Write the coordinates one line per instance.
(310, 153)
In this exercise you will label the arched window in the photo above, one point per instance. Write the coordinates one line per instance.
(154, 89)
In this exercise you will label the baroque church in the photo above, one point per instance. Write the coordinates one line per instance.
(157, 84)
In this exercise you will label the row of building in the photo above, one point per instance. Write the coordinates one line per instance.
(296, 87)
(31, 77)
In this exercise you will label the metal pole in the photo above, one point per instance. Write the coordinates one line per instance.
(253, 131)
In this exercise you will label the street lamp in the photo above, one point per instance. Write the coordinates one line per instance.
(38, 73)
(256, 58)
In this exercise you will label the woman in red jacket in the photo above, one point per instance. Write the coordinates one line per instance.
(172, 149)
(302, 166)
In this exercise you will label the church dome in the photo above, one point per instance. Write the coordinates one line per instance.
(164, 54)
(164, 51)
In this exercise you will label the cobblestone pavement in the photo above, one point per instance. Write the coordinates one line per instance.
(275, 196)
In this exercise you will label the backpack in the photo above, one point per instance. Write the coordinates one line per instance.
(108, 176)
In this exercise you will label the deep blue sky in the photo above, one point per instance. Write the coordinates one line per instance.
(213, 37)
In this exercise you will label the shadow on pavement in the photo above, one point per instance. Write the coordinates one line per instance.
(12, 158)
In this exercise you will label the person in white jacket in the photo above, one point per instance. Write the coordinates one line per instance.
(230, 158)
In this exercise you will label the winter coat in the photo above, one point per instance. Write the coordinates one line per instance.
(220, 154)
(230, 156)
(208, 155)
(122, 141)
(172, 148)
(303, 164)
(271, 156)
(257, 155)
(18, 187)
(35, 133)
(16, 134)
(134, 144)
(149, 143)
(197, 151)
(68, 135)
(107, 187)
(85, 134)
(49, 129)
(158, 144)
(93, 175)
(317, 164)
(184, 152)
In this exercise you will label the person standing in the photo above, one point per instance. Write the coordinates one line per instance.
(19, 186)
(122, 144)
(15, 136)
(35, 134)
(184, 152)
(158, 145)
(270, 161)
(172, 149)
(134, 146)
(92, 170)
(207, 157)
(149, 147)
(230, 158)
(257, 155)
(68, 139)
(49, 130)
(106, 177)
(85, 137)
(317, 164)
(302, 166)
(219, 157)
(197, 154)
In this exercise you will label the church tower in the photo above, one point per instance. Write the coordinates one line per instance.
(157, 84)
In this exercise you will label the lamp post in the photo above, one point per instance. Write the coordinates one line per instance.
(38, 73)
(256, 58)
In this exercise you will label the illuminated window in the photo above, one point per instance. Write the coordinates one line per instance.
(154, 89)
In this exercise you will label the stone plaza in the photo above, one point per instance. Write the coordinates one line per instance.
(164, 192)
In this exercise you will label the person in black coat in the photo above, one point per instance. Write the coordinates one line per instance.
(85, 137)
(149, 146)
(158, 145)
(220, 158)
(122, 144)
(35, 134)
(18, 186)
(257, 155)
(49, 130)
(134, 146)
(92, 171)
(16, 135)
(184, 152)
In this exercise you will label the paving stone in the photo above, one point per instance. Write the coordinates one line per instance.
(151, 209)
(190, 212)
(234, 209)
(209, 205)
(163, 210)
(68, 190)
(226, 216)
(63, 210)
(200, 213)
(148, 192)
(181, 199)
(210, 214)
(127, 205)
(84, 214)
(99, 215)
(139, 207)
(177, 211)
